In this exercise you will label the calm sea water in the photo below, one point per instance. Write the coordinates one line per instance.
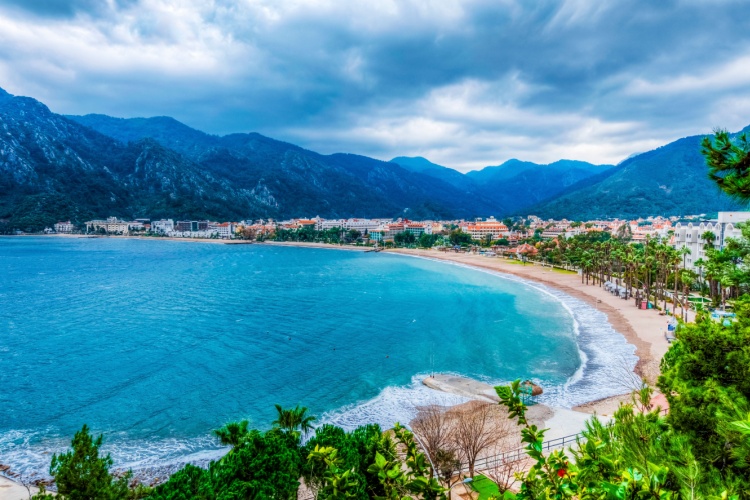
(156, 343)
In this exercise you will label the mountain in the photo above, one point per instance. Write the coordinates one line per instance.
(517, 185)
(670, 180)
(452, 177)
(305, 182)
(54, 167)
(513, 168)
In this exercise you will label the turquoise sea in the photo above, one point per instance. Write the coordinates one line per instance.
(156, 343)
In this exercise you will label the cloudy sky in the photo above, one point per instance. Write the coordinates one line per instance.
(464, 83)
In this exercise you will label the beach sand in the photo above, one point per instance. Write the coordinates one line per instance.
(326, 246)
(645, 329)
(11, 490)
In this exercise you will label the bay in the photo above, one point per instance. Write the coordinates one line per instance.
(157, 343)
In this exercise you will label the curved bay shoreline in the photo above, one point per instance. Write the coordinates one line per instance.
(643, 329)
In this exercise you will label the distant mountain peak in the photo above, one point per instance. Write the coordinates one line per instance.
(416, 163)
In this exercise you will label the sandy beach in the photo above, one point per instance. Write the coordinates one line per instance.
(644, 329)
(11, 490)
(326, 246)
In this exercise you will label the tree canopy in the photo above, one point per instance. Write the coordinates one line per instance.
(728, 162)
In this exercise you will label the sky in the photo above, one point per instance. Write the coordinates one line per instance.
(465, 84)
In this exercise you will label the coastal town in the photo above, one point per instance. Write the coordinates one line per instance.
(509, 234)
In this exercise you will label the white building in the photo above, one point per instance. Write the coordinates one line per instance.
(64, 227)
(163, 226)
(225, 230)
(113, 225)
(690, 235)
(361, 225)
(481, 229)
(417, 229)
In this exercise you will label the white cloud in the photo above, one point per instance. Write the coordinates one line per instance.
(707, 78)
(464, 83)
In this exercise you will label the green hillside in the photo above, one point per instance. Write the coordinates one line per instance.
(670, 180)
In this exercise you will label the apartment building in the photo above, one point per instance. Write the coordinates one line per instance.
(690, 235)
(163, 226)
(64, 227)
(480, 229)
(113, 225)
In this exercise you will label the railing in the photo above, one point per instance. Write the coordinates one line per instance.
(520, 453)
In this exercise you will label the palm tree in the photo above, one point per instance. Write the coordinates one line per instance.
(709, 239)
(687, 278)
(700, 264)
(293, 420)
(684, 252)
(713, 274)
(233, 433)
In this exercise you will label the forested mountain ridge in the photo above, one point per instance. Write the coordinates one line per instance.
(670, 180)
(521, 184)
(513, 185)
(52, 168)
(55, 168)
(305, 182)
(303, 177)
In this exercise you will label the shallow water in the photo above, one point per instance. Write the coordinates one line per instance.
(156, 343)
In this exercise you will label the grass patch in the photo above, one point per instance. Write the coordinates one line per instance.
(485, 487)
(563, 271)
(516, 262)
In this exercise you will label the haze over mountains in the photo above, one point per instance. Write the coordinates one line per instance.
(55, 167)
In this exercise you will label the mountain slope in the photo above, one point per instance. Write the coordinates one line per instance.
(48, 161)
(517, 185)
(305, 182)
(445, 174)
(670, 180)
(54, 167)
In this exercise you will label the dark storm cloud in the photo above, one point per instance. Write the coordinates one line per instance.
(464, 83)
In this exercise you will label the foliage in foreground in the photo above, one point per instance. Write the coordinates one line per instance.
(700, 449)
(81, 474)
(636, 456)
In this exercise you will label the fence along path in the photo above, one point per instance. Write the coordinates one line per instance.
(520, 453)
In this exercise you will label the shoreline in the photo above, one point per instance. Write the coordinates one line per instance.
(642, 329)
(12, 489)
(122, 237)
(300, 244)
(326, 246)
